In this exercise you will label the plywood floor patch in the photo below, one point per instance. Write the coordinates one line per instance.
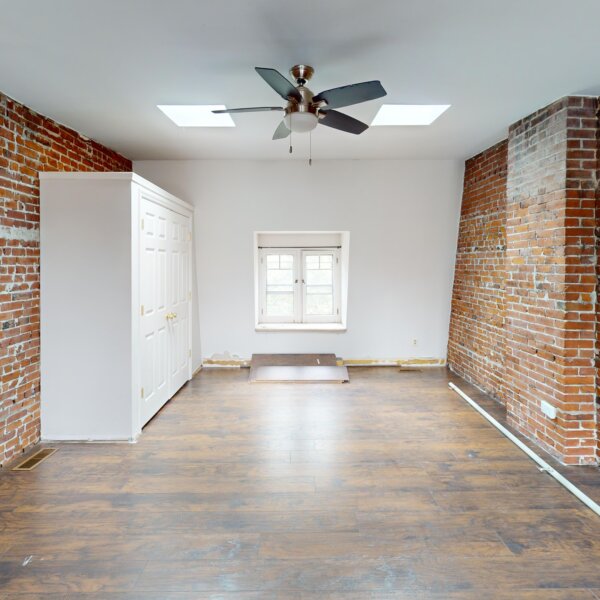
(300, 374)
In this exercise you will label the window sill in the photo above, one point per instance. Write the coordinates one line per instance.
(300, 327)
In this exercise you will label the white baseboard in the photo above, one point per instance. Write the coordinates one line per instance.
(79, 440)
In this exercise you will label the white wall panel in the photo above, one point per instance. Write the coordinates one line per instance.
(402, 216)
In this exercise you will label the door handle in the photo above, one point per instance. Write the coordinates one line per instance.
(170, 316)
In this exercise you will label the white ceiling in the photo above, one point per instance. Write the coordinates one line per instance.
(102, 66)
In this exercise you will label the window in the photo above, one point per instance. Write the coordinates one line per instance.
(301, 280)
(299, 285)
(319, 301)
(280, 286)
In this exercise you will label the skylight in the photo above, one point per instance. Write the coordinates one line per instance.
(408, 114)
(196, 115)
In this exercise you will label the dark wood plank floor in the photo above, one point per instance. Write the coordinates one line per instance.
(390, 487)
(586, 478)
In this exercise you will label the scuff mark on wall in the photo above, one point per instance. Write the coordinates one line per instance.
(226, 359)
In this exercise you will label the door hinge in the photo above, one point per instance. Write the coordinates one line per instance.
(262, 311)
(142, 224)
(190, 295)
(337, 310)
(337, 260)
(142, 310)
(142, 393)
(190, 353)
(189, 236)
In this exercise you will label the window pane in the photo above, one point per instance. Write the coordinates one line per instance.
(319, 284)
(319, 277)
(286, 261)
(312, 261)
(280, 277)
(318, 289)
(319, 304)
(280, 305)
(280, 285)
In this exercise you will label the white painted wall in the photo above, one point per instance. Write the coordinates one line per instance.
(403, 220)
(86, 305)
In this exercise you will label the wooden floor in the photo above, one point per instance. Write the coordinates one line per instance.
(390, 487)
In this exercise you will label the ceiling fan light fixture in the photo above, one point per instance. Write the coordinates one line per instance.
(303, 110)
(301, 122)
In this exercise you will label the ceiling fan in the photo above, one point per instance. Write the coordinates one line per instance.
(304, 110)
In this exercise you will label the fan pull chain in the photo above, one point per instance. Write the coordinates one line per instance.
(291, 117)
(310, 148)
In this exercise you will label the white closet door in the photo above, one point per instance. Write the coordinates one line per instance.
(179, 299)
(154, 310)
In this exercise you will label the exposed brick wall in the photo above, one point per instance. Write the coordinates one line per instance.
(476, 342)
(29, 143)
(597, 357)
(545, 347)
(551, 278)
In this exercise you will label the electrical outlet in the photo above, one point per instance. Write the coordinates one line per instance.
(415, 342)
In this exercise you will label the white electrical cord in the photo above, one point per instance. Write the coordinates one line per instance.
(544, 466)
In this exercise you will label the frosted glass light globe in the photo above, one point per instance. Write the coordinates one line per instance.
(301, 122)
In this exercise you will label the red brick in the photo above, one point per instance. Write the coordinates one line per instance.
(525, 319)
(31, 143)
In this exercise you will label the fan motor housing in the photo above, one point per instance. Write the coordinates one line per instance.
(306, 113)
(304, 105)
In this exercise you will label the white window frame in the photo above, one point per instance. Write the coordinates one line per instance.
(336, 317)
(262, 291)
(299, 318)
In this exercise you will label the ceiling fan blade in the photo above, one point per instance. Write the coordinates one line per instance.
(281, 132)
(351, 94)
(340, 121)
(279, 83)
(245, 110)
